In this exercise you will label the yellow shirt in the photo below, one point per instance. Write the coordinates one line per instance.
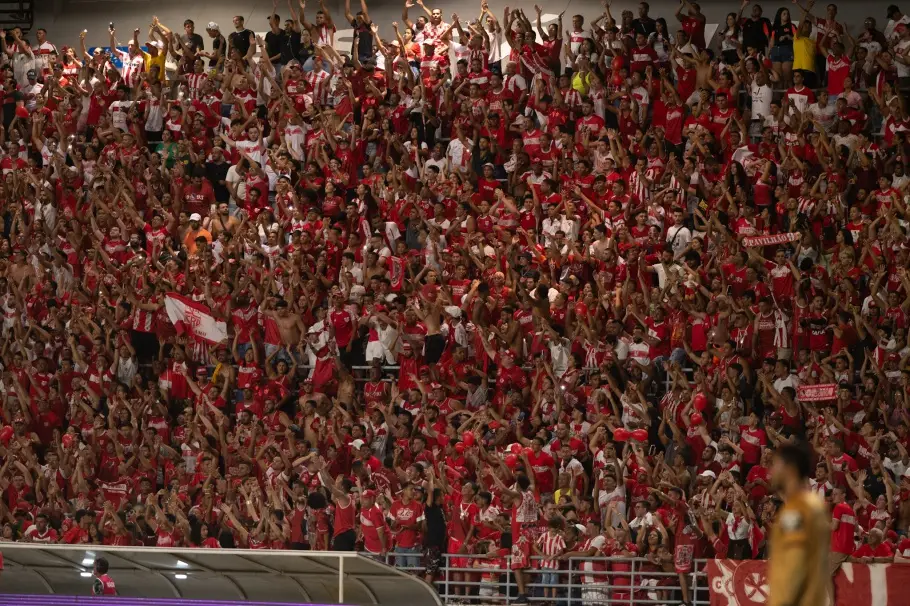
(798, 573)
(159, 61)
(580, 84)
(804, 53)
(562, 492)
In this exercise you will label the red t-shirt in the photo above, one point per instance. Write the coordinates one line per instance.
(371, 520)
(842, 537)
(867, 551)
(408, 517)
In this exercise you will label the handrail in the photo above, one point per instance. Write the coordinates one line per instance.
(638, 582)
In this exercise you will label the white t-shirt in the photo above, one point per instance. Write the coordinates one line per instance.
(32, 89)
(119, 112)
(761, 100)
(233, 176)
(679, 238)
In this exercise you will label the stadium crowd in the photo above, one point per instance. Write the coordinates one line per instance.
(490, 288)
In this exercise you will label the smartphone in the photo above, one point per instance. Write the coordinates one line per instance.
(111, 26)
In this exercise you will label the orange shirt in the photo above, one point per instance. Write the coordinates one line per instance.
(190, 240)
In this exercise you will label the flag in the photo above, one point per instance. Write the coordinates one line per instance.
(396, 275)
(771, 240)
(195, 319)
(817, 393)
(744, 583)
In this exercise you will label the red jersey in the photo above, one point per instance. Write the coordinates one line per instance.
(842, 537)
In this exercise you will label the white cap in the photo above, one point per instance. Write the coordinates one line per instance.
(581, 528)
(453, 311)
(213, 26)
(195, 217)
(357, 444)
(708, 474)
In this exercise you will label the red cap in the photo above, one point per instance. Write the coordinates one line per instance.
(369, 494)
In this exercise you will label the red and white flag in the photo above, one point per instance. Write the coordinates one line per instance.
(396, 275)
(195, 319)
(744, 583)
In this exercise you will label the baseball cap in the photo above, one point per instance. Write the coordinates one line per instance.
(369, 494)
(357, 444)
(195, 217)
(213, 26)
(708, 474)
(31, 74)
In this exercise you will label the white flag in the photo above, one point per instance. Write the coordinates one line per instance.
(194, 319)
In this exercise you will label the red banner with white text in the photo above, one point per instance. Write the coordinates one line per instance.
(770, 240)
(744, 583)
(817, 393)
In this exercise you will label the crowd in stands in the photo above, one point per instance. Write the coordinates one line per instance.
(511, 291)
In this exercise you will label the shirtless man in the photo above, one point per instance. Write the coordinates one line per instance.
(20, 270)
(431, 316)
(704, 69)
(290, 325)
(223, 221)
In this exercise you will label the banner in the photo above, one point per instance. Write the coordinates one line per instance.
(772, 240)
(194, 318)
(744, 583)
(396, 273)
(816, 393)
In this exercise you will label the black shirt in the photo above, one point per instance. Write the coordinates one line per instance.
(194, 41)
(644, 25)
(435, 536)
(216, 172)
(365, 41)
(291, 47)
(274, 43)
(305, 52)
(783, 35)
(241, 41)
(218, 43)
(756, 33)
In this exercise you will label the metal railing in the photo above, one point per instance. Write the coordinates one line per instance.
(626, 581)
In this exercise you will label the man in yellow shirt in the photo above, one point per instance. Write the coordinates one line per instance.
(159, 46)
(804, 48)
(156, 57)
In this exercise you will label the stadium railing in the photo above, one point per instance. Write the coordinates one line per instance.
(629, 581)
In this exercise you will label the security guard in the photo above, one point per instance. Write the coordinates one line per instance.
(798, 572)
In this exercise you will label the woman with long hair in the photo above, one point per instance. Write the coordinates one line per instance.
(782, 33)
(731, 40)
(662, 41)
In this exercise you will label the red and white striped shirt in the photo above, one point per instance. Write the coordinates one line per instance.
(639, 188)
(194, 83)
(551, 543)
(143, 320)
(318, 83)
(133, 66)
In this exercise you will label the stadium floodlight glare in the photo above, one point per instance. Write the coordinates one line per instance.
(85, 574)
(179, 577)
